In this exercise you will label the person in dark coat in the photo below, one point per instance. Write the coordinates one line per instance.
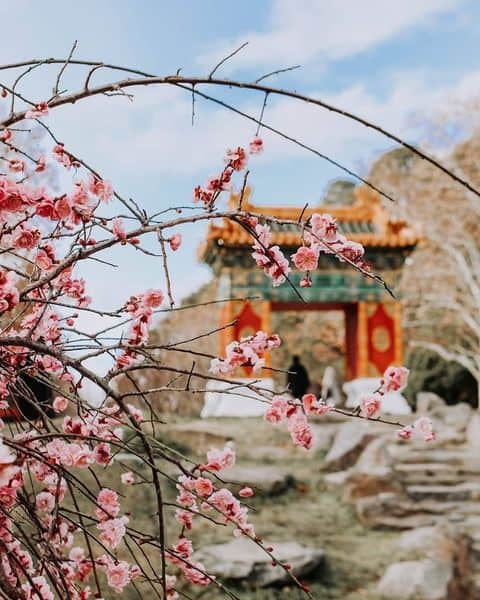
(297, 378)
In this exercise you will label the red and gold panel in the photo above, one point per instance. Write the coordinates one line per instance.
(381, 332)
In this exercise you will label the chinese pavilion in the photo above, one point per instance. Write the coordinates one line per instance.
(373, 326)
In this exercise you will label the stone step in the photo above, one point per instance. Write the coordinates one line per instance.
(445, 493)
(466, 459)
(437, 473)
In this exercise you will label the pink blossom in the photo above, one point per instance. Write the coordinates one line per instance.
(100, 188)
(45, 502)
(152, 298)
(118, 575)
(306, 258)
(256, 145)
(308, 400)
(352, 251)
(16, 166)
(175, 241)
(41, 591)
(183, 549)
(108, 504)
(7, 469)
(370, 405)
(39, 111)
(184, 517)
(324, 229)
(277, 410)
(237, 159)
(41, 164)
(113, 531)
(424, 426)
(118, 229)
(218, 460)
(395, 379)
(195, 573)
(300, 431)
(203, 487)
(102, 454)
(60, 404)
(405, 433)
(246, 492)
(26, 238)
(171, 580)
(127, 478)
(306, 282)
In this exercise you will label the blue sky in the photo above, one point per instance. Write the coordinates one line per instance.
(385, 60)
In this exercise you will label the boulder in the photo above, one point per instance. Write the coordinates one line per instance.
(268, 453)
(427, 401)
(473, 431)
(421, 579)
(242, 560)
(198, 435)
(351, 438)
(392, 403)
(337, 479)
(394, 511)
(436, 543)
(265, 480)
(323, 434)
(222, 399)
(457, 416)
(372, 473)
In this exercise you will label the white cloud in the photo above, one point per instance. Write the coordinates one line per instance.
(304, 30)
(154, 135)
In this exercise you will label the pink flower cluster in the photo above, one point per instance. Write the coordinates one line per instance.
(284, 408)
(245, 353)
(324, 237)
(141, 310)
(43, 461)
(269, 258)
(236, 160)
(394, 379)
(9, 295)
(422, 427)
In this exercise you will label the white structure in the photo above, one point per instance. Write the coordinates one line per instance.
(223, 399)
(392, 403)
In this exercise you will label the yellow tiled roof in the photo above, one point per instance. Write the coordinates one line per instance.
(365, 221)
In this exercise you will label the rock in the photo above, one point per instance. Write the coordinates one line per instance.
(374, 459)
(445, 493)
(372, 473)
(268, 453)
(421, 579)
(392, 403)
(473, 431)
(323, 434)
(350, 440)
(436, 542)
(427, 401)
(457, 416)
(336, 480)
(436, 473)
(221, 401)
(198, 435)
(392, 510)
(243, 560)
(265, 480)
